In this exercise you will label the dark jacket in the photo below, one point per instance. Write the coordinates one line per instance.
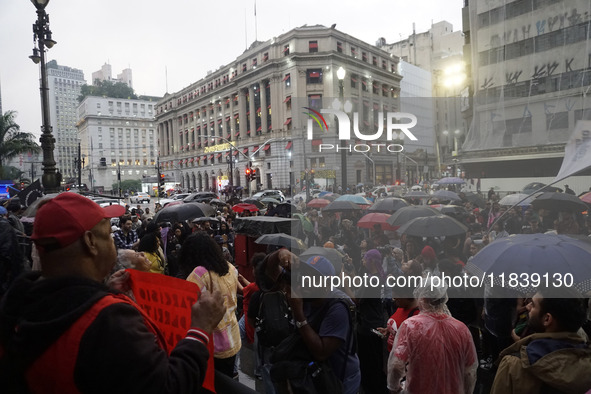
(117, 353)
(11, 258)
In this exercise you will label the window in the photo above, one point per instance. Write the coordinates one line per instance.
(287, 124)
(374, 60)
(353, 51)
(557, 121)
(339, 47)
(265, 56)
(287, 102)
(287, 80)
(313, 46)
(364, 84)
(286, 50)
(254, 62)
(364, 56)
(315, 101)
(314, 75)
(354, 81)
(243, 67)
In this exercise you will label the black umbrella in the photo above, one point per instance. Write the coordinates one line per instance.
(252, 201)
(416, 194)
(406, 214)
(453, 210)
(475, 199)
(388, 205)
(559, 202)
(340, 206)
(185, 211)
(281, 239)
(285, 209)
(433, 226)
(333, 255)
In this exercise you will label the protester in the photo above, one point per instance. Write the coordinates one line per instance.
(11, 258)
(433, 350)
(202, 262)
(62, 330)
(554, 359)
(125, 237)
(150, 246)
(127, 258)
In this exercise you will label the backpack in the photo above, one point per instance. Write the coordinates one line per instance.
(294, 366)
(273, 323)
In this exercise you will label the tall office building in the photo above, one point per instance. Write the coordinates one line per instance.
(529, 62)
(258, 109)
(106, 74)
(118, 139)
(64, 89)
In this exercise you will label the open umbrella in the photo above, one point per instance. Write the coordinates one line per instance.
(559, 202)
(239, 208)
(550, 256)
(216, 201)
(318, 203)
(512, 199)
(433, 226)
(286, 209)
(446, 195)
(184, 211)
(333, 255)
(331, 196)
(269, 200)
(281, 239)
(451, 181)
(475, 199)
(341, 206)
(388, 205)
(452, 210)
(360, 200)
(254, 202)
(416, 194)
(586, 197)
(305, 222)
(375, 219)
(406, 214)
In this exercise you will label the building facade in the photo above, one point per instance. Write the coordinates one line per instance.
(529, 65)
(256, 111)
(118, 139)
(64, 89)
(106, 74)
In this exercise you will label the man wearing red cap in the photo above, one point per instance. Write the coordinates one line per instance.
(63, 331)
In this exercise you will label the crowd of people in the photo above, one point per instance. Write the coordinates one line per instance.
(371, 339)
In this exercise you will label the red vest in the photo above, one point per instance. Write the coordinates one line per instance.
(53, 371)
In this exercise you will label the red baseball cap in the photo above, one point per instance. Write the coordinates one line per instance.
(66, 217)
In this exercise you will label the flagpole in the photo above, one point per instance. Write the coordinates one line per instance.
(255, 21)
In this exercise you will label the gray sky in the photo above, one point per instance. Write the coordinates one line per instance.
(186, 37)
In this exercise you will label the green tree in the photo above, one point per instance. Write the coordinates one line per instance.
(129, 184)
(107, 89)
(13, 142)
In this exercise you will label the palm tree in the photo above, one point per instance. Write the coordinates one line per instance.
(13, 142)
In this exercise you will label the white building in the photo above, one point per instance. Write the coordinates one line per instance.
(262, 101)
(530, 63)
(106, 74)
(116, 135)
(64, 89)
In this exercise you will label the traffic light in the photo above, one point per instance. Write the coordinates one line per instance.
(161, 183)
(248, 173)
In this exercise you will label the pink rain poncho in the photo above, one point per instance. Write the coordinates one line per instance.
(434, 350)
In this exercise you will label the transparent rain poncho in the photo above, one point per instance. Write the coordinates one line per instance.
(433, 350)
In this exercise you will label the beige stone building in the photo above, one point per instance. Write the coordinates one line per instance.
(256, 109)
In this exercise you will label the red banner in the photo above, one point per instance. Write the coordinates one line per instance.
(168, 302)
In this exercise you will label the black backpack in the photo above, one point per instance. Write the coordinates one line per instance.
(273, 323)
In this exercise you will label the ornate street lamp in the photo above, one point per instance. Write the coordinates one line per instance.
(42, 38)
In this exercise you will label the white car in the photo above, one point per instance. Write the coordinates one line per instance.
(139, 198)
(105, 202)
(276, 194)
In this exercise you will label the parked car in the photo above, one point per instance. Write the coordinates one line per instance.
(276, 194)
(105, 202)
(140, 198)
(205, 197)
(175, 197)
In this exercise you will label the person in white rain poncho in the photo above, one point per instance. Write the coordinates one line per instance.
(434, 350)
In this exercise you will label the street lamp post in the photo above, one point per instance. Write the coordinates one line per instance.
(42, 38)
(341, 76)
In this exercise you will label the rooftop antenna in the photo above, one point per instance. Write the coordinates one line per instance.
(255, 21)
(245, 32)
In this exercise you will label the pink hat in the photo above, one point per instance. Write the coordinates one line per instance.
(428, 253)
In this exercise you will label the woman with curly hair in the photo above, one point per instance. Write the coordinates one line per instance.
(201, 262)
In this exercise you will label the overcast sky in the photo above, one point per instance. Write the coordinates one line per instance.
(186, 37)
